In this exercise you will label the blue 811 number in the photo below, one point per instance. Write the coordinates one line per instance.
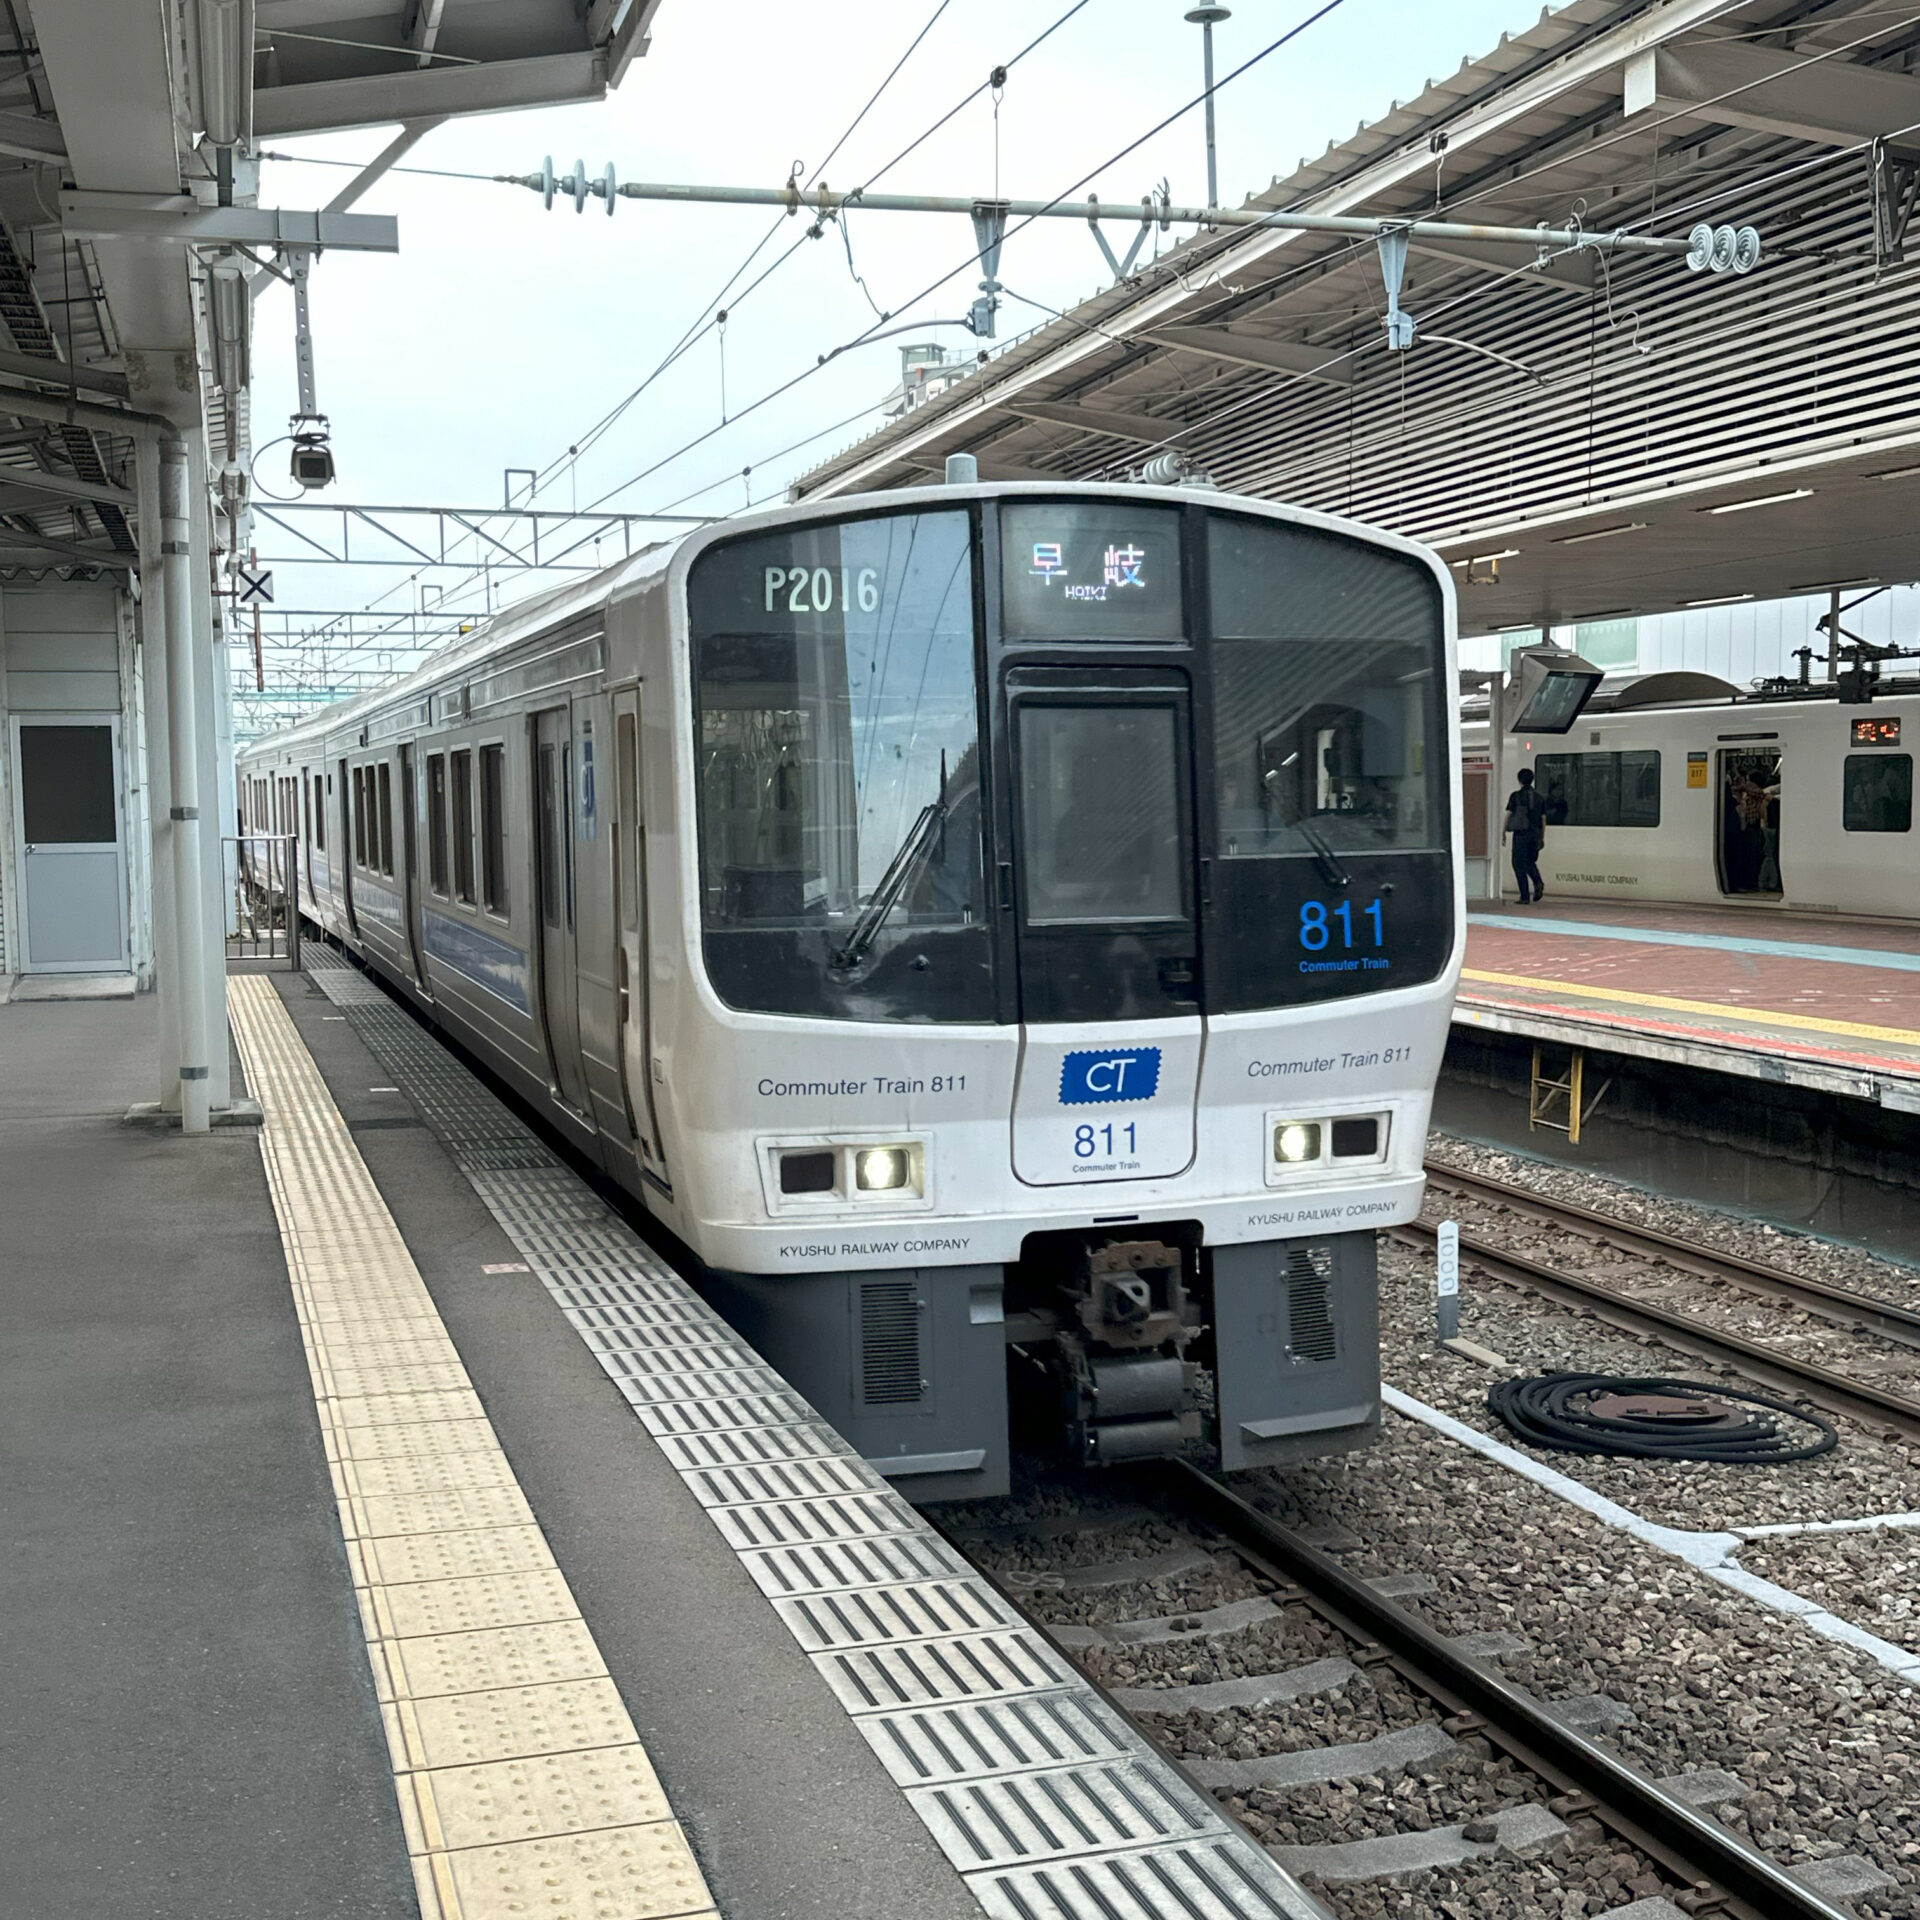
(1316, 924)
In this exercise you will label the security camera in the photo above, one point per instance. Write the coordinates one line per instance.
(312, 458)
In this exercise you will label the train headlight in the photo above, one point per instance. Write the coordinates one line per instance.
(882, 1169)
(1296, 1142)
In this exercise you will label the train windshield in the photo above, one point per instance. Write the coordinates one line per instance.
(1329, 757)
(839, 771)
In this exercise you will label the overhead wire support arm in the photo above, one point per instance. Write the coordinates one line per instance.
(824, 203)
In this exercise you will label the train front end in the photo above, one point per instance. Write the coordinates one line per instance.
(1071, 917)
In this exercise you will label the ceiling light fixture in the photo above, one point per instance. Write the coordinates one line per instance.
(1763, 500)
(1488, 559)
(1895, 473)
(1717, 600)
(1599, 533)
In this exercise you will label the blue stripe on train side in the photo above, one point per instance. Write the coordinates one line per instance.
(477, 955)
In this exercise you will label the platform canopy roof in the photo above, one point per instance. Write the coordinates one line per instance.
(1595, 435)
(113, 114)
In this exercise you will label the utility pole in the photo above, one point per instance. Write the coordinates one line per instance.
(1204, 18)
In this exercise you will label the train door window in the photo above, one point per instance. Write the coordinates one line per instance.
(462, 773)
(1749, 825)
(627, 826)
(550, 853)
(360, 816)
(493, 829)
(1877, 793)
(437, 823)
(1098, 789)
(384, 814)
(319, 814)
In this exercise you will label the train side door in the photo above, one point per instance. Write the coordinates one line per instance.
(631, 973)
(1747, 827)
(410, 863)
(554, 858)
(1106, 911)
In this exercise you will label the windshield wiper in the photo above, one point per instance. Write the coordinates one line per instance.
(1324, 857)
(901, 871)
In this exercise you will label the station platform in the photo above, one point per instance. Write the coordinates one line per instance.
(395, 1533)
(1796, 999)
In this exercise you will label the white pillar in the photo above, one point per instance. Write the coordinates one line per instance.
(1496, 785)
(176, 568)
(154, 670)
(210, 743)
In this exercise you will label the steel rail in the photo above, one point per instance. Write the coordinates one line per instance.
(1686, 1842)
(1853, 1399)
(1885, 1317)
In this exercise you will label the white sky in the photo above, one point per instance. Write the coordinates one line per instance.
(501, 333)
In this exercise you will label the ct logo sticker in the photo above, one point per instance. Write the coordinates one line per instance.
(1119, 1073)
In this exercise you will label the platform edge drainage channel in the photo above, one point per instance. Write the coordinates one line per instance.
(1084, 1815)
(514, 1760)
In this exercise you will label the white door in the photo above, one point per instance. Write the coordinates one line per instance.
(72, 863)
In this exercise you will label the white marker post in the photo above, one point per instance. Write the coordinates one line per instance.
(1447, 1280)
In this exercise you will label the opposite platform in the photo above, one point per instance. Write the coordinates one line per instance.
(1796, 999)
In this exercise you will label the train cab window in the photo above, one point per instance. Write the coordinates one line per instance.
(462, 776)
(1328, 736)
(1090, 570)
(839, 782)
(437, 823)
(1877, 793)
(493, 829)
(383, 814)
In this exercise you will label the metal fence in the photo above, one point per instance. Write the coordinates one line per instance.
(263, 894)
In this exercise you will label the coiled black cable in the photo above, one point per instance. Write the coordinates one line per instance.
(1555, 1411)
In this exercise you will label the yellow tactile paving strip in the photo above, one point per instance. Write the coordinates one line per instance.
(523, 1788)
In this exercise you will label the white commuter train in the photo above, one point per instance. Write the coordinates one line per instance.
(995, 930)
(1679, 788)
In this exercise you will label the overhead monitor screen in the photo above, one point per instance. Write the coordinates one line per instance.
(1090, 570)
(1550, 698)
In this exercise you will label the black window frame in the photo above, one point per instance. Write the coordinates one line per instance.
(437, 881)
(460, 782)
(492, 810)
(383, 814)
(1852, 761)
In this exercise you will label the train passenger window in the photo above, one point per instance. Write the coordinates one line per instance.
(1601, 789)
(1090, 570)
(383, 815)
(462, 772)
(437, 823)
(1877, 793)
(842, 870)
(493, 829)
(1098, 786)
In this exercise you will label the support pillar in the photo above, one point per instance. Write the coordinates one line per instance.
(1496, 785)
(183, 811)
(155, 667)
(213, 747)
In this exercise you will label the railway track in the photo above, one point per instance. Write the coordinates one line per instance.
(1713, 1871)
(1876, 1406)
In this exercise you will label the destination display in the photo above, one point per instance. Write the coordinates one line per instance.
(1081, 570)
(1876, 733)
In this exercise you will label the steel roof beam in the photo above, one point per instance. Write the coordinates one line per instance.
(180, 217)
(1833, 102)
(1250, 350)
(1574, 273)
(63, 373)
(328, 106)
(1116, 426)
(61, 486)
(31, 139)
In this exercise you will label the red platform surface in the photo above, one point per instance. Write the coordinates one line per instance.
(1797, 997)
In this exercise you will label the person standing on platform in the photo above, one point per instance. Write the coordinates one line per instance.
(1527, 826)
